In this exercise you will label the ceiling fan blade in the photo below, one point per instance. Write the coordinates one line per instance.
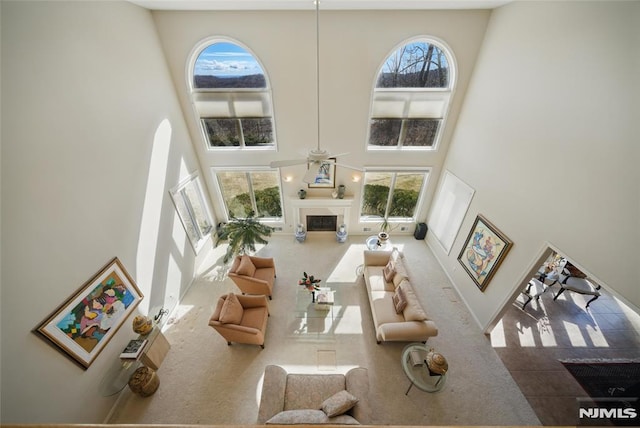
(310, 176)
(338, 155)
(290, 162)
(349, 166)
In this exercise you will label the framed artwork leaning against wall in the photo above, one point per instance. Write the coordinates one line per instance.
(483, 251)
(83, 324)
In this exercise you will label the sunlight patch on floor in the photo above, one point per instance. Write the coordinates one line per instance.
(574, 334)
(596, 336)
(631, 315)
(178, 313)
(497, 336)
(525, 335)
(547, 337)
(344, 272)
(350, 321)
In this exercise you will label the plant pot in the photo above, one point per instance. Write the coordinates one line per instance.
(383, 236)
(144, 381)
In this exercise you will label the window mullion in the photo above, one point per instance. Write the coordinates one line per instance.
(240, 132)
(392, 185)
(403, 132)
(252, 194)
(191, 212)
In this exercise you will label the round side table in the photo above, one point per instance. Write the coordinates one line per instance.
(419, 374)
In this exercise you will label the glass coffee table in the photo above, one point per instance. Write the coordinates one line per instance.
(316, 319)
(419, 373)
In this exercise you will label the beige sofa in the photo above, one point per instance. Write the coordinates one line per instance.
(410, 325)
(289, 398)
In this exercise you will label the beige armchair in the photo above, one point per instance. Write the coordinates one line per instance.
(253, 275)
(241, 319)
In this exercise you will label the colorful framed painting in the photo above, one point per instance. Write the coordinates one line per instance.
(325, 176)
(83, 325)
(483, 251)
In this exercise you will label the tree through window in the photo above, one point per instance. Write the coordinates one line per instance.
(392, 195)
(256, 190)
(411, 97)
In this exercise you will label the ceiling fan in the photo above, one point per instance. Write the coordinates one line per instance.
(316, 157)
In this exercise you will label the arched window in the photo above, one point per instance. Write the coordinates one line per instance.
(411, 97)
(231, 95)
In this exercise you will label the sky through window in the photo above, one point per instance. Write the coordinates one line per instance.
(225, 59)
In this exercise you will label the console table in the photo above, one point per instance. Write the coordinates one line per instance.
(117, 376)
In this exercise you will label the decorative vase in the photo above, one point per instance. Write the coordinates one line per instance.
(142, 325)
(144, 381)
(313, 296)
(341, 234)
(302, 193)
(300, 233)
(341, 190)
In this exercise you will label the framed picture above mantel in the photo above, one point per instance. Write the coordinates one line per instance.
(325, 174)
(83, 324)
(483, 251)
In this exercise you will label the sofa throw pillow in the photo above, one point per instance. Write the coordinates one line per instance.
(399, 300)
(401, 274)
(246, 266)
(231, 312)
(309, 417)
(389, 271)
(413, 311)
(338, 403)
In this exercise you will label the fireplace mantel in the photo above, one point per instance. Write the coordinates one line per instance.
(320, 206)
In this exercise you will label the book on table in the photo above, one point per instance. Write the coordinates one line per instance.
(415, 358)
(133, 349)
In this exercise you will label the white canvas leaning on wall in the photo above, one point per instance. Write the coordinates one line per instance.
(450, 207)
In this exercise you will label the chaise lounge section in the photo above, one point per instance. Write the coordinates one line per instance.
(395, 308)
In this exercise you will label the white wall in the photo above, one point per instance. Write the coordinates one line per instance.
(548, 137)
(92, 139)
(353, 46)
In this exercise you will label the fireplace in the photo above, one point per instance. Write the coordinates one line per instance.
(304, 211)
(322, 223)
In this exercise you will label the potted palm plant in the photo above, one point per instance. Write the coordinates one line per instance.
(242, 234)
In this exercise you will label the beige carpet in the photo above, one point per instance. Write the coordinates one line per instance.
(204, 381)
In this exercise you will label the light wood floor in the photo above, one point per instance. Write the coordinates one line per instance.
(531, 341)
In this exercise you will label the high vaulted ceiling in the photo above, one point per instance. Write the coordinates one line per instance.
(309, 4)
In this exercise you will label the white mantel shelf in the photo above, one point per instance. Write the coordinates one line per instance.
(321, 206)
(321, 202)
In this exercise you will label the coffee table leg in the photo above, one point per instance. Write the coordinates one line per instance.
(409, 389)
